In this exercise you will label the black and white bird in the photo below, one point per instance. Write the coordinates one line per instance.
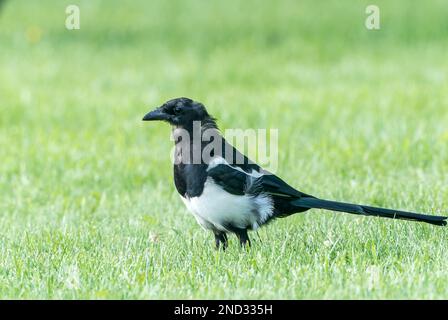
(230, 196)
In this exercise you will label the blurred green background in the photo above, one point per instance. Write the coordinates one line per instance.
(87, 204)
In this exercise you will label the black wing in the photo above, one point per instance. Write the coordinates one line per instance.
(238, 182)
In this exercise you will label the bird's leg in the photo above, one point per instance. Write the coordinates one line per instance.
(220, 238)
(243, 237)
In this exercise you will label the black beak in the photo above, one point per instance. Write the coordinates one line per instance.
(157, 114)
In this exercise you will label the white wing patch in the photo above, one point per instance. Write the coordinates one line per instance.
(220, 160)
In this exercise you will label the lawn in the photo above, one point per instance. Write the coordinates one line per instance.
(88, 208)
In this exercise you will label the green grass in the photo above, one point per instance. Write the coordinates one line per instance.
(87, 204)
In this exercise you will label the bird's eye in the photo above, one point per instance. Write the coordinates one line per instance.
(177, 110)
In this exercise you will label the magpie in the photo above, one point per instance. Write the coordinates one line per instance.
(230, 196)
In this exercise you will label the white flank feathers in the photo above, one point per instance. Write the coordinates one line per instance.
(216, 208)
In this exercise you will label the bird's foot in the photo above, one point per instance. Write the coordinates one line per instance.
(221, 240)
(244, 238)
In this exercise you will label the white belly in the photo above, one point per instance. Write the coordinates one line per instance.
(215, 208)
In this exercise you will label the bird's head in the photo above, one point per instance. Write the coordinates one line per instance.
(180, 112)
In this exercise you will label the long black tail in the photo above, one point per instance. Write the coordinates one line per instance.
(309, 202)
